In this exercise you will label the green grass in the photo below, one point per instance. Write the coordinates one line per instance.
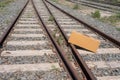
(55, 1)
(7, 21)
(112, 19)
(60, 40)
(76, 6)
(96, 14)
(51, 18)
(5, 2)
(118, 29)
(55, 68)
(118, 0)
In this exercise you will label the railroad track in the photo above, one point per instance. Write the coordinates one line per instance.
(101, 6)
(36, 48)
(101, 64)
(27, 53)
(107, 2)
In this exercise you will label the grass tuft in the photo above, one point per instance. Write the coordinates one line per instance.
(76, 6)
(5, 2)
(118, 29)
(55, 1)
(112, 19)
(51, 18)
(96, 14)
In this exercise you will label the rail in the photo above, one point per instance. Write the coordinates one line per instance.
(7, 31)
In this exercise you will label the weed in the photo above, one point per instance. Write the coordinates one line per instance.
(118, 29)
(76, 6)
(55, 1)
(7, 21)
(55, 32)
(66, 0)
(70, 57)
(51, 18)
(118, 15)
(29, 15)
(60, 40)
(111, 19)
(96, 14)
(5, 2)
(54, 68)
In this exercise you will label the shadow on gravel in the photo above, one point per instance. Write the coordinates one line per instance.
(82, 48)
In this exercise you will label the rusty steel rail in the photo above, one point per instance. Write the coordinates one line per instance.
(72, 72)
(7, 31)
(88, 74)
(111, 39)
(104, 2)
(110, 8)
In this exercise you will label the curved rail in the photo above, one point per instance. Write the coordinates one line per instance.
(101, 6)
(106, 2)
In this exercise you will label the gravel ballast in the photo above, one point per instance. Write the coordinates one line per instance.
(53, 74)
(9, 13)
(28, 59)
